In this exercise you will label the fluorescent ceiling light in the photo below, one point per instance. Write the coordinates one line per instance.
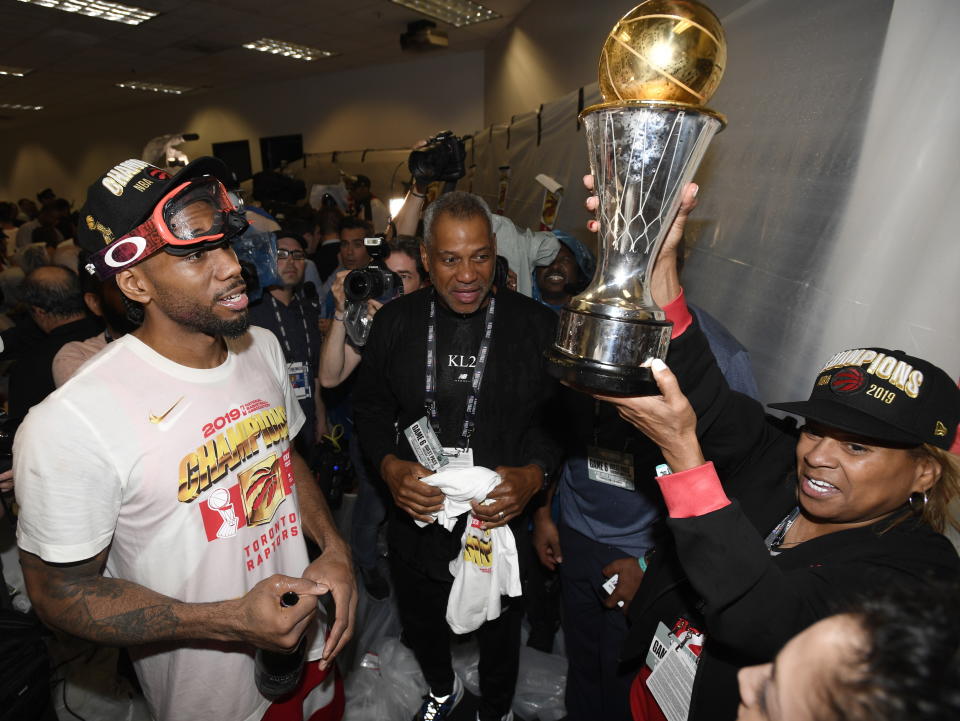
(99, 9)
(288, 50)
(15, 72)
(155, 87)
(453, 12)
(17, 106)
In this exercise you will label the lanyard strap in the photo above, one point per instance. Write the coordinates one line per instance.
(430, 396)
(283, 331)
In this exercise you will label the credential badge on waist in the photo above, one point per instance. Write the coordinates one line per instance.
(299, 379)
(425, 444)
(612, 467)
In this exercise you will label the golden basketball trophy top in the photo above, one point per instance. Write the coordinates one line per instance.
(663, 51)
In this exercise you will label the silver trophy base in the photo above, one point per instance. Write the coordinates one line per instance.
(598, 354)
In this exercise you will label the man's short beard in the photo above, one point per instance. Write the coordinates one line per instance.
(200, 319)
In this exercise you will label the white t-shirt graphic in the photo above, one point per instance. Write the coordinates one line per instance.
(186, 474)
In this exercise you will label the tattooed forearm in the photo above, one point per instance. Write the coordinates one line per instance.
(90, 613)
(77, 599)
(139, 626)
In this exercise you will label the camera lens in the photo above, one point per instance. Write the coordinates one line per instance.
(356, 286)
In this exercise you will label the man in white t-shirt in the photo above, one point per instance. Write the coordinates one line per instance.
(163, 506)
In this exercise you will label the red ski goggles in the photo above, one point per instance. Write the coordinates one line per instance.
(188, 218)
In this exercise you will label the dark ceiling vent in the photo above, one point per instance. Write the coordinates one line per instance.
(421, 36)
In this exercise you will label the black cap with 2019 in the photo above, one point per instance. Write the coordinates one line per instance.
(125, 195)
(885, 395)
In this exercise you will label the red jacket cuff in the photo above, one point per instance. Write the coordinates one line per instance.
(678, 312)
(693, 493)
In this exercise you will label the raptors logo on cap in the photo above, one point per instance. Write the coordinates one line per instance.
(848, 380)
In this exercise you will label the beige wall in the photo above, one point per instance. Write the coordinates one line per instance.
(384, 106)
(549, 51)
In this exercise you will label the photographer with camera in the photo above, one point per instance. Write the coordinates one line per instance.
(442, 158)
(339, 357)
(352, 254)
(469, 356)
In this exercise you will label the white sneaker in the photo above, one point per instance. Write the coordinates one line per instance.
(437, 708)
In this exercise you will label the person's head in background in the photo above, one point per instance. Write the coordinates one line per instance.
(894, 658)
(65, 217)
(360, 189)
(353, 253)
(8, 230)
(48, 216)
(291, 259)
(8, 215)
(567, 275)
(48, 236)
(303, 224)
(460, 250)
(328, 222)
(46, 197)
(52, 294)
(28, 209)
(32, 256)
(405, 261)
(104, 299)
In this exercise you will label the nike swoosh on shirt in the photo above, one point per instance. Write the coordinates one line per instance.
(159, 419)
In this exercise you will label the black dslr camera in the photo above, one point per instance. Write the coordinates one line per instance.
(442, 158)
(375, 282)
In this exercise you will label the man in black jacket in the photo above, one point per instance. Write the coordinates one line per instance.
(468, 357)
(53, 296)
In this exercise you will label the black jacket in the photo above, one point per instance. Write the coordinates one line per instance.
(715, 569)
(509, 425)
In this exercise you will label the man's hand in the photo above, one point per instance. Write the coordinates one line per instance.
(664, 281)
(334, 570)
(265, 623)
(668, 420)
(417, 498)
(339, 296)
(6, 481)
(546, 539)
(628, 583)
(517, 486)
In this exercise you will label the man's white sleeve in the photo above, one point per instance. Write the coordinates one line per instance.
(68, 489)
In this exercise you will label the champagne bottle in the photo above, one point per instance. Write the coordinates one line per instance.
(277, 673)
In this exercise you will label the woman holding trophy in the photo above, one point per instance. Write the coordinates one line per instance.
(772, 529)
(769, 527)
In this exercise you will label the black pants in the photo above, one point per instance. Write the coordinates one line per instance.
(597, 687)
(422, 603)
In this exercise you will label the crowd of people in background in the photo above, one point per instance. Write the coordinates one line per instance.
(680, 541)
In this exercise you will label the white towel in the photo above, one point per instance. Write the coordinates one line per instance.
(487, 566)
(460, 486)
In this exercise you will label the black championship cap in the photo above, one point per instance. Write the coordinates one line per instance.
(125, 195)
(883, 395)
